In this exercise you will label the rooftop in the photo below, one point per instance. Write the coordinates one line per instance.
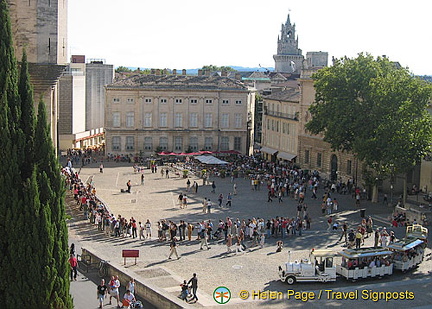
(291, 94)
(176, 82)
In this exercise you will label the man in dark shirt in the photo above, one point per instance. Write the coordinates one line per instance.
(194, 284)
(101, 292)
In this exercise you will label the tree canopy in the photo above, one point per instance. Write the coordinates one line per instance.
(214, 68)
(374, 109)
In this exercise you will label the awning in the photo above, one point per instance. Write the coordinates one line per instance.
(286, 156)
(210, 160)
(268, 150)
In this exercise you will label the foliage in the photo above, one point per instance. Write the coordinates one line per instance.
(374, 109)
(214, 68)
(122, 69)
(33, 233)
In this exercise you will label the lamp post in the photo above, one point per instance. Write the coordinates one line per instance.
(391, 194)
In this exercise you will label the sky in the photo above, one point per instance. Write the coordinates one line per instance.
(188, 34)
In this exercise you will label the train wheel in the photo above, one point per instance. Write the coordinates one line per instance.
(290, 280)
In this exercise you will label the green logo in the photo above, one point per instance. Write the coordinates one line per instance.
(222, 295)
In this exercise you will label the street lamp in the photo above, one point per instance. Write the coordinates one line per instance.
(391, 194)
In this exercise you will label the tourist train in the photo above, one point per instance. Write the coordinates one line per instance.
(359, 263)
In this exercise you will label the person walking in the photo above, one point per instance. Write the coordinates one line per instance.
(213, 187)
(101, 167)
(235, 189)
(193, 282)
(269, 195)
(203, 237)
(129, 185)
(73, 263)
(188, 183)
(229, 200)
(209, 206)
(173, 248)
(101, 292)
(114, 286)
(142, 182)
(148, 229)
(220, 199)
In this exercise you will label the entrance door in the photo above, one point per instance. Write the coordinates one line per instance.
(333, 168)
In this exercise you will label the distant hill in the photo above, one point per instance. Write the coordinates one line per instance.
(237, 68)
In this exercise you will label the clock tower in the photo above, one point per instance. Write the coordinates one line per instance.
(289, 58)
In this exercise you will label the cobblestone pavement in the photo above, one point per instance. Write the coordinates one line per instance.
(256, 270)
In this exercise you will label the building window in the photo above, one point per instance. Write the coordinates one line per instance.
(193, 143)
(116, 100)
(178, 120)
(193, 120)
(307, 156)
(319, 159)
(130, 143)
(225, 102)
(349, 167)
(268, 124)
(224, 143)
(277, 126)
(116, 145)
(209, 101)
(130, 100)
(116, 119)
(208, 143)
(193, 101)
(148, 120)
(130, 119)
(163, 101)
(148, 143)
(272, 125)
(238, 102)
(163, 143)
(238, 121)
(178, 101)
(148, 100)
(163, 119)
(178, 143)
(208, 120)
(237, 143)
(225, 121)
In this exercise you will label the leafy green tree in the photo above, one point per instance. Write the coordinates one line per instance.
(214, 68)
(375, 110)
(122, 69)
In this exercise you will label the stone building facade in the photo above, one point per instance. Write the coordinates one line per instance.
(280, 125)
(179, 113)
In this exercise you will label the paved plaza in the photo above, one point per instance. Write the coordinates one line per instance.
(256, 270)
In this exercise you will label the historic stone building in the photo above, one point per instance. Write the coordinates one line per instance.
(41, 28)
(179, 113)
(280, 125)
(289, 57)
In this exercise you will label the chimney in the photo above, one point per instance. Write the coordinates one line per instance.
(158, 72)
(174, 71)
(153, 72)
(200, 72)
(184, 72)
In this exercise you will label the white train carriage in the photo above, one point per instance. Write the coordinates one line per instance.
(320, 267)
(365, 262)
(407, 253)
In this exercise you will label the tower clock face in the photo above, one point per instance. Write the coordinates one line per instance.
(289, 33)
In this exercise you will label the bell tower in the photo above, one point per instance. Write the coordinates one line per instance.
(289, 58)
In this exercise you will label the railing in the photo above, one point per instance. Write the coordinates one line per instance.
(281, 115)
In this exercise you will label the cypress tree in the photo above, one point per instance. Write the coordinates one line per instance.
(52, 192)
(10, 179)
(27, 123)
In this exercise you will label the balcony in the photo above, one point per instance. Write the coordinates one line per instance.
(281, 115)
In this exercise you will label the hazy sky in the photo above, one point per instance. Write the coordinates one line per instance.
(180, 34)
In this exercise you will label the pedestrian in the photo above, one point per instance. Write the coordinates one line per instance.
(239, 246)
(377, 237)
(344, 232)
(262, 240)
(213, 187)
(194, 285)
(131, 285)
(190, 228)
(209, 205)
(204, 205)
(148, 229)
(141, 230)
(196, 187)
(329, 223)
(184, 290)
(358, 239)
(180, 200)
(280, 196)
(114, 286)
(235, 189)
(173, 248)
(167, 173)
(229, 243)
(203, 237)
(129, 185)
(184, 201)
(72, 249)
(220, 199)
(101, 167)
(142, 182)
(128, 299)
(229, 200)
(73, 264)
(385, 199)
(188, 183)
(101, 292)
(269, 195)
